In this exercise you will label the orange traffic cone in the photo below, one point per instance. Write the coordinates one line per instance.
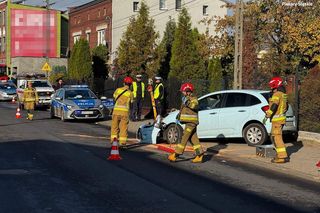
(13, 100)
(114, 155)
(18, 114)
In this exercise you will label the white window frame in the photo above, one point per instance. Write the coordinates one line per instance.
(162, 5)
(76, 38)
(101, 37)
(205, 10)
(180, 6)
(135, 6)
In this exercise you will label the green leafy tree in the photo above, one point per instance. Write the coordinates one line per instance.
(137, 48)
(186, 62)
(100, 58)
(215, 74)
(80, 62)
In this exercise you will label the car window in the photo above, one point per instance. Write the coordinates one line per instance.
(7, 86)
(79, 94)
(266, 95)
(210, 102)
(252, 100)
(40, 84)
(241, 99)
(59, 94)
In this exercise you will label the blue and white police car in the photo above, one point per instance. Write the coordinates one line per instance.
(7, 90)
(76, 102)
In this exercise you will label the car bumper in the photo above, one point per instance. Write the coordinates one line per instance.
(85, 114)
(7, 97)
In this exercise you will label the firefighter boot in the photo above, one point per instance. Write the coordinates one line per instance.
(198, 159)
(172, 157)
(30, 117)
(279, 160)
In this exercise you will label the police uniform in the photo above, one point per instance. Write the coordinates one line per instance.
(120, 114)
(138, 90)
(158, 95)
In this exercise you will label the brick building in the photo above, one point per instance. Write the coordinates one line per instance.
(91, 21)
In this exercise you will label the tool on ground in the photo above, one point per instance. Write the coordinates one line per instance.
(114, 154)
(150, 90)
(18, 114)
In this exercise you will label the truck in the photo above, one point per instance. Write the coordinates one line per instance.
(41, 85)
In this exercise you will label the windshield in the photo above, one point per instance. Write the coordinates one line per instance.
(266, 95)
(7, 86)
(79, 94)
(40, 84)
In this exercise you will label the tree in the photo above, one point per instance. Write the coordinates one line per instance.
(186, 63)
(137, 48)
(215, 75)
(100, 58)
(80, 62)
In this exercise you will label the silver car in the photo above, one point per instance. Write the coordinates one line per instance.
(7, 90)
(76, 102)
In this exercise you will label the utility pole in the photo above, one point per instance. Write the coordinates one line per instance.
(47, 34)
(238, 56)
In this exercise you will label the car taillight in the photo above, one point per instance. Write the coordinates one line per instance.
(265, 108)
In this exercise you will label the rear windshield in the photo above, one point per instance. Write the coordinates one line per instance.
(79, 94)
(7, 86)
(266, 95)
(40, 84)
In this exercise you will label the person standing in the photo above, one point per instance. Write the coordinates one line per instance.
(60, 84)
(30, 99)
(120, 116)
(138, 89)
(158, 94)
(188, 115)
(278, 106)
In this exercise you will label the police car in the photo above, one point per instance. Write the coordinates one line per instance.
(7, 90)
(76, 102)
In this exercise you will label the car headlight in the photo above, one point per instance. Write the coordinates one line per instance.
(3, 93)
(69, 107)
(101, 106)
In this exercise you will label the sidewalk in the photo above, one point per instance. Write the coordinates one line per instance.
(304, 153)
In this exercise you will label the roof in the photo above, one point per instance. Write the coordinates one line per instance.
(86, 5)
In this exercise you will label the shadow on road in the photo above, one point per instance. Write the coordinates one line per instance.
(295, 147)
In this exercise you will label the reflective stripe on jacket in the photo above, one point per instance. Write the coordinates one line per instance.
(122, 104)
(135, 89)
(30, 95)
(189, 111)
(157, 94)
(279, 98)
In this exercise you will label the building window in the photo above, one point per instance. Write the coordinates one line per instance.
(135, 6)
(101, 37)
(76, 38)
(99, 13)
(162, 4)
(205, 10)
(4, 17)
(88, 37)
(178, 5)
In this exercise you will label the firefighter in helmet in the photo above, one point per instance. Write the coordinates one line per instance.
(278, 105)
(120, 116)
(189, 116)
(30, 99)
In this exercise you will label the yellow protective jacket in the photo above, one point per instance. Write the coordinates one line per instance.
(122, 104)
(30, 95)
(158, 92)
(279, 115)
(135, 88)
(189, 111)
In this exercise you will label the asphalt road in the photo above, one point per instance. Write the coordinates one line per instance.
(51, 166)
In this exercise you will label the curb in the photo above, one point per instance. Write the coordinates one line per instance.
(312, 136)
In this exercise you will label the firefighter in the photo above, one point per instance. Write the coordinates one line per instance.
(120, 116)
(138, 89)
(278, 106)
(189, 116)
(30, 99)
(158, 94)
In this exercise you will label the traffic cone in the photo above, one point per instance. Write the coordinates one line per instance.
(13, 101)
(114, 155)
(18, 114)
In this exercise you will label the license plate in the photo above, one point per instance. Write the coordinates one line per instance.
(289, 124)
(87, 113)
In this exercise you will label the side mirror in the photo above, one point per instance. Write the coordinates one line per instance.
(103, 98)
(52, 96)
(58, 98)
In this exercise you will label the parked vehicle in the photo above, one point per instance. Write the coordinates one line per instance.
(76, 102)
(7, 90)
(231, 114)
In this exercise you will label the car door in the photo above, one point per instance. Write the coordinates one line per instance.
(233, 114)
(58, 102)
(209, 107)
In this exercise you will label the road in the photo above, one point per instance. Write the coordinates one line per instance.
(52, 166)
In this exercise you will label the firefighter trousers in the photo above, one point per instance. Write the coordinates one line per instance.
(189, 134)
(276, 137)
(119, 128)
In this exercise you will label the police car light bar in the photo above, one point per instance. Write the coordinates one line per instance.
(75, 86)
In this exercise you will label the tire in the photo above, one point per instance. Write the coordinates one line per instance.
(52, 112)
(255, 134)
(173, 134)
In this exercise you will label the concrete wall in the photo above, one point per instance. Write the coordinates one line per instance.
(34, 65)
(122, 10)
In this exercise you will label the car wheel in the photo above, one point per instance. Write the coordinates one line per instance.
(254, 134)
(173, 134)
(51, 112)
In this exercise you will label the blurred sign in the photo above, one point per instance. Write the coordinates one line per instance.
(46, 67)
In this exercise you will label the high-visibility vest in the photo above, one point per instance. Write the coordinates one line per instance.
(135, 89)
(189, 111)
(156, 92)
(281, 100)
(30, 95)
(122, 104)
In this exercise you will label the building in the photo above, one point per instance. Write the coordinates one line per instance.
(160, 11)
(91, 21)
(30, 36)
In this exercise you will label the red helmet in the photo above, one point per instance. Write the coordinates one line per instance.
(275, 82)
(186, 86)
(127, 80)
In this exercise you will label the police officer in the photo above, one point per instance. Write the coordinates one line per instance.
(189, 116)
(120, 116)
(278, 106)
(158, 94)
(30, 99)
(138, 89)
